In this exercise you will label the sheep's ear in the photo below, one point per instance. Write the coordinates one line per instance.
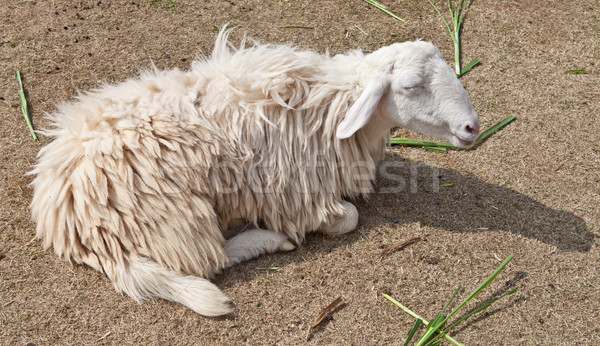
(359, 114)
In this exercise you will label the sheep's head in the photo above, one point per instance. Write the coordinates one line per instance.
(413, 87)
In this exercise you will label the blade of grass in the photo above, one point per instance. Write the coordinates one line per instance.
(383, 8)
(432, 328)
(481, 286)
(478, 309)
(274, 269)
(404, 308)
(495, 128)
(23, 101)
(469, 66)
(578, 71)
(481, 308)
(451, 298)
(408, 311)
(465, 3)
(431, 145)
(436, 149)
(439, 321)
(412, 332)
(420, 143)
(444, 19)
(434, 332)
(456, 18)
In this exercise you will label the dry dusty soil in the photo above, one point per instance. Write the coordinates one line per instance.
(531, 190)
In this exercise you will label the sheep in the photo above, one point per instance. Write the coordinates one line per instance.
(143, 178)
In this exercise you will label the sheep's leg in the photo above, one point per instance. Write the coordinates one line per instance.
(253, 243)
(342, 224)
(236, 226)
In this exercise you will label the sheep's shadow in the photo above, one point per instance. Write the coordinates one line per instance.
(412, 191)
(415, 192)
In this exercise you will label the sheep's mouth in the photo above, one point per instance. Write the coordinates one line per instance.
(461, 142)
(465, 143)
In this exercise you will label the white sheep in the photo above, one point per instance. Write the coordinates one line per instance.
(142, 178)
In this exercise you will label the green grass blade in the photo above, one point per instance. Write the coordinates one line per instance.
(437, 324)
(469, 66)
(578, 71)
(464, 4)
(451, 299)
(479, 309)
(444, 19)
(453, 15)
(432, 328)
(274, 269)
(408, 311)
(23, 101)
(483, 285)
(438, 146)
(420, 143)
(483, 306)
(495, 128)
(404, 308)
(436, 149)
(412, 332)
(383, 8)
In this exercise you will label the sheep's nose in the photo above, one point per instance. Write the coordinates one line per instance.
(472, 129)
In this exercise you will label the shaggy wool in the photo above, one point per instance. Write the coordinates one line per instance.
(153, 169)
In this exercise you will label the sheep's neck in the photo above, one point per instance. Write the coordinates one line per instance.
(378, 126)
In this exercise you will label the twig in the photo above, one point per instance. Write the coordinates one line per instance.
(397, 246)
(297, 27)
(321, 316)
(104, 336)
(361, 30)
(31, 241)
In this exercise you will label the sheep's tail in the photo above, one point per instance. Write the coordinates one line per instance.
(144, 278)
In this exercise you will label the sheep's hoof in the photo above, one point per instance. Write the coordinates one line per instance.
(287, 246)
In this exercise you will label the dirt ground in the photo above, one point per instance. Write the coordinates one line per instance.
(532, 190)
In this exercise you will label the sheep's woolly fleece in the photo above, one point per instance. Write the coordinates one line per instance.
(153, 169)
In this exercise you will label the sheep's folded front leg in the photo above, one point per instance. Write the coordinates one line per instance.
(253, 243)
(344, 224)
